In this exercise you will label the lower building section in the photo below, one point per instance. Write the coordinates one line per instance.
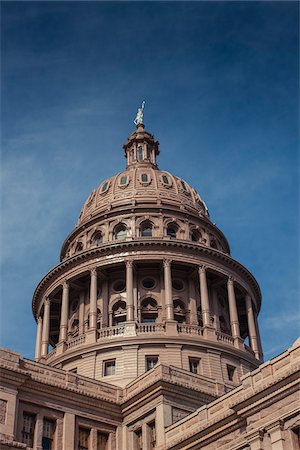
(166, 407)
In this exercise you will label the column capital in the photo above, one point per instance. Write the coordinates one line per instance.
(230, 280)
(167, 262)
(39, 319)
(202, 268)
(93, 271)
(47, 301)
(129, 262)
(65, 284)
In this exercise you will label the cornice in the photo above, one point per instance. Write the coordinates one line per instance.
(134, 244)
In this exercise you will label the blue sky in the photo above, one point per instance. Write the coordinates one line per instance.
(220, 80)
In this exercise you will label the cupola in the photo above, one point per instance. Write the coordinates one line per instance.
(141, 147)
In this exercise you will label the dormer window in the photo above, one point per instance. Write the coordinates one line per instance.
(166, 180)
(183, 185)
(123, 180)
(104, 187)
(140, 153)
(144, 178)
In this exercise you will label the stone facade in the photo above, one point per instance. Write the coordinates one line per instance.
(147, 333)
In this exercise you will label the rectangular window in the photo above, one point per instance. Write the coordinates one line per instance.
(109, 367)
(194, 365)
(48, 433)
(230, 372)
(140, 153)
(151, 362)
(165, 179)
(102, 440)
(123, 180)
(152, 435)
(83, 439)
(28, 429)
(138, 438)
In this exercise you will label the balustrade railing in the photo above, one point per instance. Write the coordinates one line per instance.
(224, 338)
(76, 341)
(111, 332)
(150, 327)
(190, 329)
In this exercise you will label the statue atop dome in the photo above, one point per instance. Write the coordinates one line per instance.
(140, 114)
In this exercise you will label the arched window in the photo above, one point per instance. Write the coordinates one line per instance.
(97, 238)
(74, 328)
(146, 229)
(213, 244)
(119, 312)
(79, 247)
(196, 236)
(132, 155)
(149, 310)
(179, 311)
(140, 153)
(148, 152)
(120, 232)
(172, 230)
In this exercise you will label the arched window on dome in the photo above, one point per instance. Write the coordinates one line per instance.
(79, 247)
(149, 310)
(97, 238)
(179, 311)
(119, 312)
(213, 244)
(140, 153)
(195, 236)
(120, 232)
(146, 229)
(172, 230)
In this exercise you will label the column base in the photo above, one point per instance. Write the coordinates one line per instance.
(239, 343)
(91, 336)
(171, 328)
(61, 347)
(209, 333)
(130, 328)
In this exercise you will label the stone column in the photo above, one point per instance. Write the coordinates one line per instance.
(38, 432)
(105, 319)
(64, 312)
(168, 290)
(192, 302)
(204, 297)
(38, 342)
(69, 429)
(251, 326)
(129, 291)
(93, 300)
(234, 320)
(81, 312)
(258, 335)
(46, 327)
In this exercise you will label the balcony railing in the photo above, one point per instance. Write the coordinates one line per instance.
(150, 328)
(189, 329)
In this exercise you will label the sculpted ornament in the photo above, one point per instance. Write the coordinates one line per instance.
(140, 115)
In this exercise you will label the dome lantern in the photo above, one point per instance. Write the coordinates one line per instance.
(141, 147)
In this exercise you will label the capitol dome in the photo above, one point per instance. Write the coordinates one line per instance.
(146, 278)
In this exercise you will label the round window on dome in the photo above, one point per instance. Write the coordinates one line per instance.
(177, 285)
(119, 286)
(104, 187)
(148, 283)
